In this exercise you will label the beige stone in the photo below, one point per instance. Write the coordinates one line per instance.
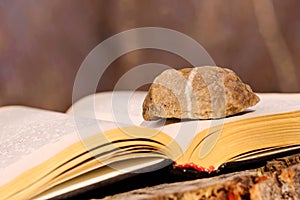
(206, 92)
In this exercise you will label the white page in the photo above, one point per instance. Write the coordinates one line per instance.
(120, 106)
(29, 136)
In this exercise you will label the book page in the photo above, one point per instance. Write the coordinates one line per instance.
(118, 106)
(269, 104)
(126, 107)
(103, 174)
(29, 136)
(274, 103)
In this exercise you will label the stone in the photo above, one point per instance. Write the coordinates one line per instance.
(206, 92)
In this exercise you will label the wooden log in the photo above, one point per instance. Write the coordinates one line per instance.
(278, 179)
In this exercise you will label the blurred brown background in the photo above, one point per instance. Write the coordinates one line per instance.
(43, 43)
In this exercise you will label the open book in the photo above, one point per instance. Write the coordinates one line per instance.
(46, 154)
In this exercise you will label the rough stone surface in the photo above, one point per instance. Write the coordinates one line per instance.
(207, 92)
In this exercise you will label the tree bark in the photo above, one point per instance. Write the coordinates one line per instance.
(278, 179)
